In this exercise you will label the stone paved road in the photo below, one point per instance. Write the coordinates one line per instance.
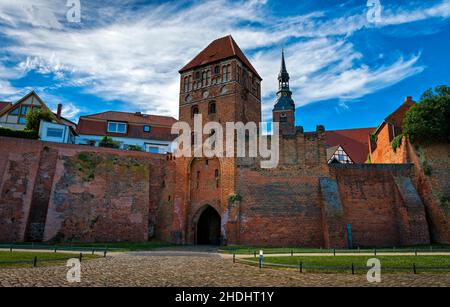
(178, 268)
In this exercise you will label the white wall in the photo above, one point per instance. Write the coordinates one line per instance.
(66, 136)
(163, 146)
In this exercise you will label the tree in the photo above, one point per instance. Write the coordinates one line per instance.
(108, 142)
(428, 121)
(34, 118)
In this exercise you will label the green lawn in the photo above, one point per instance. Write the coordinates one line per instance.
(115, 246)
(43, 259)
(422, 262)
(249, 250)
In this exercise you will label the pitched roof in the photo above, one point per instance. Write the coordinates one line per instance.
(4, 104)
(96, 124)
(355, 142)
(396, 117)
(8, 106)
(220, 49)
(137, 118)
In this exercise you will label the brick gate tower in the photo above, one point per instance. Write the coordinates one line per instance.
(221, 85)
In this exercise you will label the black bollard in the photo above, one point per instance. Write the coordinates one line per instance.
(35, 261)
(353, 269)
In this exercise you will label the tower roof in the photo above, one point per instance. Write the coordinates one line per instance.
(220, 49)
(284, 75)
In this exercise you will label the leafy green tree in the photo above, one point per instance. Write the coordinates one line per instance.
(429, 121)
(108, 142)
(34, 118)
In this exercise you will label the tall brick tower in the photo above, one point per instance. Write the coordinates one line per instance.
(284, 110)
(221, 84)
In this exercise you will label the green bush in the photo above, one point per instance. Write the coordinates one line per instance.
(109, 143)
(235, 197)
(34, 118)
(23, 134)
(428, 121)
(134, 148)
(397, 142)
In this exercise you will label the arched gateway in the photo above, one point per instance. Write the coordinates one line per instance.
(208, 227)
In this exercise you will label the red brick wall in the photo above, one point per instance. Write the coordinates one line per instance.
(96, 194)
(374, 207)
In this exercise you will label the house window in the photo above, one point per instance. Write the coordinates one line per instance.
(114, 127)
(55, 133)
(22, 120)
(147, 128)
(16, 111)
(212, 108)
(153, 149)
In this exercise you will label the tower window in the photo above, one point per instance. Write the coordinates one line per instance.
(217, 70)
(226, 73)
(212, 108)
(283, 118)
(194, 111)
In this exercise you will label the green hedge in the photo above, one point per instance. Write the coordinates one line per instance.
(23, 134)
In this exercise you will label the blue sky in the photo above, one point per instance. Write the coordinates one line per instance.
(346, 71)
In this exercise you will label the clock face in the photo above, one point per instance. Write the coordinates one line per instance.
(188, 98)
(205, 94)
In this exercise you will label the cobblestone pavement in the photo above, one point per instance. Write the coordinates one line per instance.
(194, 269)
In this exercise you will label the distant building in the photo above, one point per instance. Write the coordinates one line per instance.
(381, 150)
(13, 116)
(348, 146)
(151, 133)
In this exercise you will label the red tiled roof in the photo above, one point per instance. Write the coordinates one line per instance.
(4, 104)
(220, 49)
(137, 118)
(355, 142)
(398, 115)
(96, 124)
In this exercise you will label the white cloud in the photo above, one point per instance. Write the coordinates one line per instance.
(134, 55)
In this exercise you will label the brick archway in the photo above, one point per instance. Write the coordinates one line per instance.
(207, 226)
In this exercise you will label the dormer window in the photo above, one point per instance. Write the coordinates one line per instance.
(116, 127)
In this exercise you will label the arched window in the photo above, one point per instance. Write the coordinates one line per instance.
(212, 136)
(190, 83)
(194, 111)
(212, 108)
(186, 84)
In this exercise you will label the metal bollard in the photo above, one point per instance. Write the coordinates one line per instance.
(414, 268)
(301, 267)
(334, 252)
(104, 254)
(35, 261)
(93, 251)
(11, 248)
(80, 257)
(234, 258)
(375, 252)
(415, 251)
(353, 269)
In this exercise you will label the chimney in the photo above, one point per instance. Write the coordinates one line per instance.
(138, 114)
(58, 112)
(408, 99)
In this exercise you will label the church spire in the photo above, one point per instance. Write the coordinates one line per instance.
(284, 109)
(283, 76)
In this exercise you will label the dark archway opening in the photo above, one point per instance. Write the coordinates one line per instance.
(208, 227)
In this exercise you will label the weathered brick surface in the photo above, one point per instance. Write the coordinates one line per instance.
(80, 193)
(374, 207)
